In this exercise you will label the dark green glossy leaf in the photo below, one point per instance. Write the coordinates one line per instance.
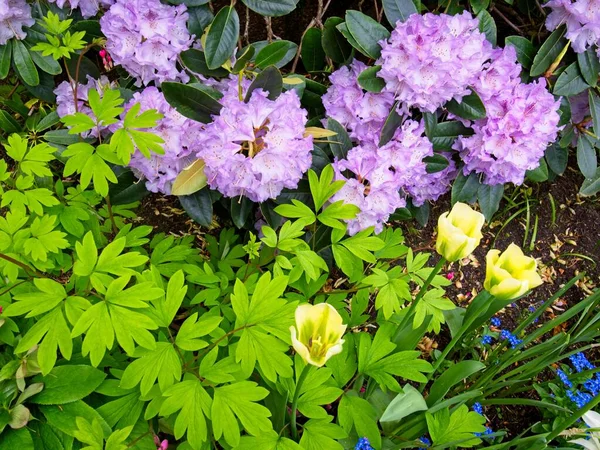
(191, 102)
(47, 63)
(445, 133)
(369, 80)
(313, 55)
(199, 206)
(240, 208)
(589, 65)
(128, 188)
(548, 52)
(5, 58)
(277, 53)
(269, 80)
(222, 37)
(367, 33)
(557, 158)
(340, 144)
(199, 17)
(540, 173)
(7, 123)
(479, 5)
(525, 50)
(570, 82)
(489, 198)
(398, 10)
(242, 58)
(195, 61)
(335, 45)
(390, 126)
(487, 26)
(272, 8)
(471, 107)
(594, 110)
(86, 67)
(465, 188)
(587, 159)
(189, 3)
(436, 163)
(24, 64)
(91, 28)
(591, 186)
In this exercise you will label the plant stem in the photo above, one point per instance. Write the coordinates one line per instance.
(420, 295)
(301, 379)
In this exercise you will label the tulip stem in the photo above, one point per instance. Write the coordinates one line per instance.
(299, 383)
(420, 295)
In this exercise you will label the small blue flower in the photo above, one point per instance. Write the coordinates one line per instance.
(477, 408)
(363, 444)
(579, 398)
(564, 378)
(495, 321)
(580, 362)
(593, 385)
(487, 431)
(531, 308)
(425, 441)
(487, 339)
(514, 341)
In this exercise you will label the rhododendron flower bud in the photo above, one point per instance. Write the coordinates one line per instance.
(459, 232)
(510, 274)
(318, 333)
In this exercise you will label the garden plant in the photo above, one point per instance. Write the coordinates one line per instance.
(299, 224)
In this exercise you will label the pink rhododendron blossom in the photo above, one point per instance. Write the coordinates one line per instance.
(89, 8)
(582, 19)
(430, 59)
(146, 37)
(521, 121)
(179, 134)
(256, 149)
(14, 15)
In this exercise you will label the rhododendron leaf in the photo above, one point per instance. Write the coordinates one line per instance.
(369, 80)
(191, 102)
(367, 33)
(591, 186)
(489, 198)
(525, 49)
(470, 107)
(24, 64)
(436, 163)
(277, 54)
(587, 157)
(465, 188)
(190, 180)
(392, 123)
(335, 46)
(242, 58)
(195, 60)
(199, 206)
(313, 55)
(5, 58)
(271, 8)
(222, 37)
(589, 66)
(548, 52)
(398, 10)
(487, 26)
(269, 80)
(570, 82)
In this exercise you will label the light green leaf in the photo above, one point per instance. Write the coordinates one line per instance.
(162, 363)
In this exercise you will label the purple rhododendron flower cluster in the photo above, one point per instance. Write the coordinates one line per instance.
(383, 176)
(431, 59)
(362, 113)
(256, 149)
(179, 134)
(582, 18)
(145, 37)
(522, 119)
(65, 99)
(373, 188)
(14, 15)
(89, 8)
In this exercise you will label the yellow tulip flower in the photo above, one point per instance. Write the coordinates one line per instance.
(459, 232)
(510, 274)
(319, 333)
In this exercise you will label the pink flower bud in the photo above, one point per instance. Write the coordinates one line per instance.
(450, 275)
(102, 53)
(164, 445)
